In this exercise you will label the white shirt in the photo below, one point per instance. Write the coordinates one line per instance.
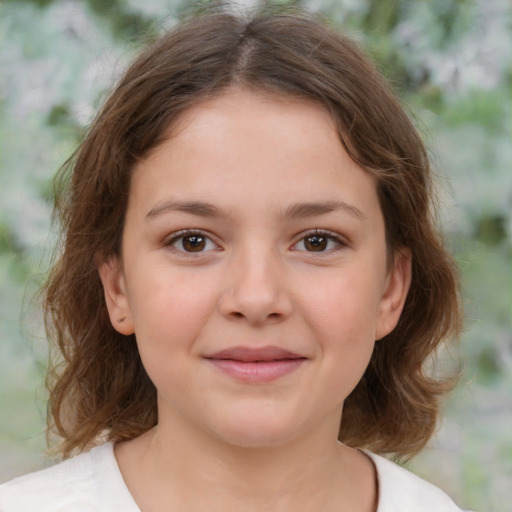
(92, 482)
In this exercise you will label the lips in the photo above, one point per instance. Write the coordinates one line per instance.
(248, 354)
(256, 364)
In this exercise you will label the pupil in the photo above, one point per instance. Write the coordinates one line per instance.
(316, 243)
(194, 243)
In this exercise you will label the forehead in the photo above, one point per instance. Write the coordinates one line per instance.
(244, 147)
(247, 109)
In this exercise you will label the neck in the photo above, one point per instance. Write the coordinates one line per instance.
(165, 468)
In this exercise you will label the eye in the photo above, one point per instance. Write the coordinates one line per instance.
(319, 241)
(192, 242)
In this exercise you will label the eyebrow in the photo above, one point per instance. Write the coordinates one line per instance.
(304, 210)
(194, 207)
(295, 211)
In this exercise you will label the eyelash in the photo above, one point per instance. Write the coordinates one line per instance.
(183, 234)
(321, 234)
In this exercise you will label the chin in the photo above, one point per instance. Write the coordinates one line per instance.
(256, 430)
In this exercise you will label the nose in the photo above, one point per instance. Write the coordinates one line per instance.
(255, 288)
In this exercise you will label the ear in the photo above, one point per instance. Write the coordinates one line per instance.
(396, 289)
(116, 297)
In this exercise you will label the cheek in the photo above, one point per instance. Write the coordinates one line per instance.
(169, 309)
(346, 304)
(169, 316)
(342, 313)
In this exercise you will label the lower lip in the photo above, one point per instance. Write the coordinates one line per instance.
(258, 371)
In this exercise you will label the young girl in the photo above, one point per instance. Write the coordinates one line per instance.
(251, 286)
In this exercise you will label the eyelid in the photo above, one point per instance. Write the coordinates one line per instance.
(171, 239)
(175, 236)
(340, 240)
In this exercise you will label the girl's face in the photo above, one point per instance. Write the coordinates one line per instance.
(254, 270)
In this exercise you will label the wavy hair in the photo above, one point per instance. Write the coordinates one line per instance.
(98, 387)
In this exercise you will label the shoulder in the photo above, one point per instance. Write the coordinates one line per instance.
(88, 482)
(403, 491)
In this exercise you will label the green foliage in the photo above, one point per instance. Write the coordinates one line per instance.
(124, 23)
(38, 3)
(488, 365)
(6, 245)
(485, 107)
(491, 229)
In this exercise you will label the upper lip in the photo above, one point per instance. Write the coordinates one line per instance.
(249, 354)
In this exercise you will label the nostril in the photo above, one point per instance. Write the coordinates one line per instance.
(237, 314)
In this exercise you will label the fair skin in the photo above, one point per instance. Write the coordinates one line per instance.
(270, 240)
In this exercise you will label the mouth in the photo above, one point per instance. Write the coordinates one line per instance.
(256, 364)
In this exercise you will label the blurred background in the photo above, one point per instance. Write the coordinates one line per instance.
(451, 63)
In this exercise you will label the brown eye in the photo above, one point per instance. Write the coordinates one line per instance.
(193, 243)
(320, 242)
(315, 243)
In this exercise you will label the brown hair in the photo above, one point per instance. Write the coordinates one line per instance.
(99, 388)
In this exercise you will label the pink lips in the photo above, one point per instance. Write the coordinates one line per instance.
(256, 364)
